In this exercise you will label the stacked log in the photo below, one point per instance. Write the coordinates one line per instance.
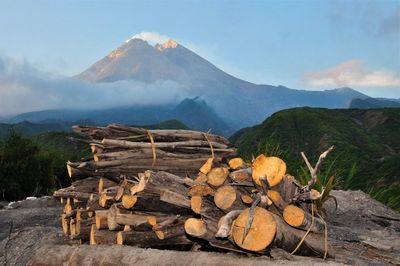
(120, 150)
(227, 204)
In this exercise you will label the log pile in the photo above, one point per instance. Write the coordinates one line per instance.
(201, 197)
(126, 151)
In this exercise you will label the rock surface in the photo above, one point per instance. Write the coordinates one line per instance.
(362, 230)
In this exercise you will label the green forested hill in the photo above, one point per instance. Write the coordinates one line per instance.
(367, 153)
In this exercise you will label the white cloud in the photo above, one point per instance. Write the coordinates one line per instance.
(151, 37)
(23, 88)
(352, 73)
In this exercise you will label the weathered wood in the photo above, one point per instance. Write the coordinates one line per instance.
(116, 218)
(189, 143)
(141, 134)
(225, 223)
(150, 240)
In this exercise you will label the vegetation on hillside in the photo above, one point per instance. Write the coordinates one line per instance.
(32, 158)
(367, 146)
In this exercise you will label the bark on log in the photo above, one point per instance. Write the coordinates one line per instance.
(101, 237)
(288, 238)
(150, 240)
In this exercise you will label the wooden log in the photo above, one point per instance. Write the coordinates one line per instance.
(201, 190)
(82, 215)
(170, 133)
(236, 163)
(241, 175)
(225, 223)
(196, 203)
(116, 218)
(65, 224)
(72, 228)
(171, 231)
(301, 219)
(287, 188)
(206, 167)
(71, 194)
(200, 228)
(105, 183)
(217, 176)
(288, 238)
(271, 168)
(68, 206)
(227, 198)
(101, 237)
(262, 230)
(107, 197)
(82, 232)
(150, 240)
(189, 143)
(83, 224)
(101, 219)
(276, 198)
(205, 207)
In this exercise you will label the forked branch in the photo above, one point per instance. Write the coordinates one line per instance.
(314, 170)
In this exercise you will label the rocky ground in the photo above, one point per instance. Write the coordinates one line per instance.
(362, 230)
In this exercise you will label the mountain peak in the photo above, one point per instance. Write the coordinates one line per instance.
(166, 45)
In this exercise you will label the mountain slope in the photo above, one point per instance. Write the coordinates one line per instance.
(195, 113)
(367, 145)
(370, 103)
(28, 129)
(238, 102)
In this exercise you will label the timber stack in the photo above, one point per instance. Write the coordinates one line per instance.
(180, 189)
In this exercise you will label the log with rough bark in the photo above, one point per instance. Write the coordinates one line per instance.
(101, 237)
(149, 239)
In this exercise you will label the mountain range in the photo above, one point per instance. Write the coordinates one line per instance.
(221, 102)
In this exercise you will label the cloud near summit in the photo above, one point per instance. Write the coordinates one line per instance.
(352, 73)
(25, 88)
(151, 37)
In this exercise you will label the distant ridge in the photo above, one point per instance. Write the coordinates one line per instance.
(371, 103)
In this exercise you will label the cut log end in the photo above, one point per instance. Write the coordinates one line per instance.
(217, 176)
(101, 219)
(195, 227)
(293, 215)
(246, 199)
(195, 203)
(128, 201)
(236, 163)
(261, 233)
(207, 166)
(225, 197)
(152, 220)
(120, 238)
(273, 168)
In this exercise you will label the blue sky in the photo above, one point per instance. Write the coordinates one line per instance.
(299, 44)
